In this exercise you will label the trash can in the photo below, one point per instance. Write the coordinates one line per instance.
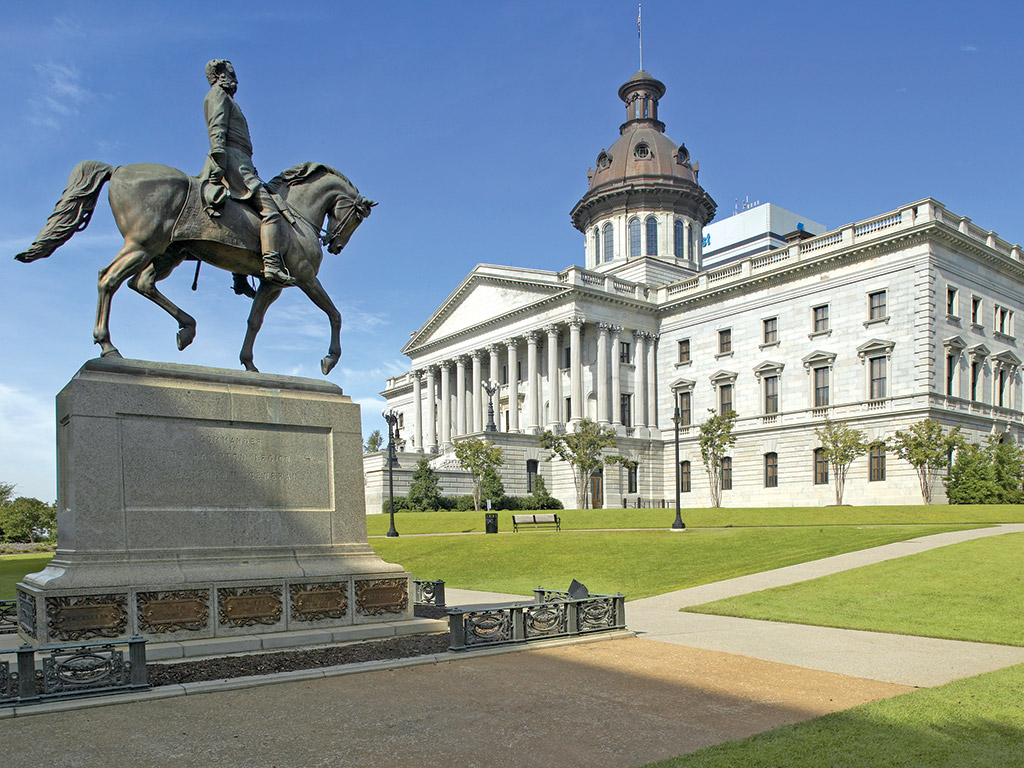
(491, 522)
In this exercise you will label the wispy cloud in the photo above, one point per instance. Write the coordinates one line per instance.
(61, 93)
(968, 48)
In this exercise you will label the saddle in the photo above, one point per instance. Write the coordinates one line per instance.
(237, 226)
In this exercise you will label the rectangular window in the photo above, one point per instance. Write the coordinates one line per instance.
(951, 307)
(1001, 393)
(876, 463)
(568, 409)
(876, 305)
(820, 467)
(1004, 321)
(725, 341)
(976, 310)
(725, 398)
(566, 358)
(684, 350)
(631, 476)
(504, 374)
(771, 470)
(877, 378)
(626, 410)
(770, 330)
(975, 379)
(820, 318)
(726, 473)
(685, 402)
(771, 394)
(623, 351)
(519, 370)
(950, 372)
(684, 477)
(531, 474)
(821, 387)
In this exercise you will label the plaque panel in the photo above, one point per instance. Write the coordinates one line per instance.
(72, 617)
(184, 610)
(323, 600)
(378, 596)
(248, 606)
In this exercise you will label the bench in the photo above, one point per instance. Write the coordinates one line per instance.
(546, 519)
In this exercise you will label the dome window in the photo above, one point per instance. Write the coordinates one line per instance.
(603, 160)
(597, 246)
(683, 155)
(652, 235)
(678, 238)
(642, 151)
(634, 238)
(609, 241)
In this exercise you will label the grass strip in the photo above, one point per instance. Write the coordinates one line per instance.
(14, 567)
(967, 591)
(636, 563)
(973, 723)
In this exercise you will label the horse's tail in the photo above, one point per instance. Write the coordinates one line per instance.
(73, 210)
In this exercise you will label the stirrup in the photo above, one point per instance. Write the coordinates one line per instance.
(274, 270)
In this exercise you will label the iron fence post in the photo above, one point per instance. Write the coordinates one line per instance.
(439, 593)
(518, 623)
(620, 611)
(572, 617)
(27, 673)
(137, 660)
(456, 631)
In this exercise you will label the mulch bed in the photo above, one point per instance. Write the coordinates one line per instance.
(288, 661)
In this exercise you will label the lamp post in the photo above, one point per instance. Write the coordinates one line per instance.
(678, 524)
(392, 419)
(490, 387)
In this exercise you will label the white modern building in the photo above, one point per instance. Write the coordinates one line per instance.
(911, 314)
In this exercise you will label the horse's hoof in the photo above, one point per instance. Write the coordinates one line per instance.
(250, 367)
(112, 352)
(328, 363)
(185, 336)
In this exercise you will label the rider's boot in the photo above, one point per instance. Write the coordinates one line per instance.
(274, 270)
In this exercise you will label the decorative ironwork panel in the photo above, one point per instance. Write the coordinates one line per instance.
(379, 596)
(428, 592)
(549, 595)
(320, 600)
(248, 606)
(182, 610)
(8, 682)
(80, 617)
(596, 614)
(84, 669)
(545, 619)
(27, 613)
(484, 627)
(8, 617)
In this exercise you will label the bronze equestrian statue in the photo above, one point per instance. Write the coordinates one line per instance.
(165, 217)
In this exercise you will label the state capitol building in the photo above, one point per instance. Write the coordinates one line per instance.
(915, 313)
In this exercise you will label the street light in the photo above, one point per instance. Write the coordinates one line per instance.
(490, 387)
(392, 419)
(678, 524)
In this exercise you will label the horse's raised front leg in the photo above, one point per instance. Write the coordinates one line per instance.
(318, 296)
(145, 283)
(266, 295)
(130, 260)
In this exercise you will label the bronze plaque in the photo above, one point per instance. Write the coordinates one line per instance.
(318, 601)
(382, 596)
(81, 618)
(173, 611)
(247, 606)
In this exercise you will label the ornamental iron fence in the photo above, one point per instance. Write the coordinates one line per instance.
(428, 592)
(8, 617)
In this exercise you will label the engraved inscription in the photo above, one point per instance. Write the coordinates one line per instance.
(27, 613)
(326, 600)
(379, 596)
(173, 611)
(247, 606)
(228, 466)
(81, 618)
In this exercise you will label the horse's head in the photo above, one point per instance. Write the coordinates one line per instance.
(344, 216)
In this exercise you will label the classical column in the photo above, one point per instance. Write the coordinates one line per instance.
(478, 392)
(495, 376)
(431, 445)
(616, 376)
(652, 381)
(640, 379)
(554, 377)
(575, 369)
(417, 411)
(460, 395)
(513, 385)
(601, 385)
(446, 404)
(533, 384)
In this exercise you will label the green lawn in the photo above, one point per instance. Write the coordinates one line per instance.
(968, 591)
(972, 723)
(579, 519)
(636, 563)
(14, 567)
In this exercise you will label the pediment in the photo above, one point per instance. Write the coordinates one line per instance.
(818, 357)
(955, 342)
(683, 385)
(1007, 358)
(876, 347)
(723, 377)
(980, 350)
(768, 367)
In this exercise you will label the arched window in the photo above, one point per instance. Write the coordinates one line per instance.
(679, 239)
(771, 470)
(597, 246)
(609, 241)
(634, 238)
(652, 236)
(820, 467)
(684, 477)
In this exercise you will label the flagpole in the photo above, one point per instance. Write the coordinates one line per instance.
(639, 32)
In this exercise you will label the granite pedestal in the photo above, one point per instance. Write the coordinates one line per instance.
(202, 502)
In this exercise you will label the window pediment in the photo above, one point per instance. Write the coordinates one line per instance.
(768, 368)
(875, 347)
(683, 385)
(818, 358)
(1007, 358)
(954, 343)
(979, 350)
(723, 377)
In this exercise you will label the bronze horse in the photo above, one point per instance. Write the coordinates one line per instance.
(148, 203)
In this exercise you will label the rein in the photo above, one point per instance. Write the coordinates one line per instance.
(324, 235)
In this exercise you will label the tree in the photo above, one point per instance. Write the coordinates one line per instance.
(716, 438)
(374, 443)
(988, 474)
(581, 450)
(424, 489)
(26, 519)
(926, 448)
(6, 489)
(480, 458)
(1008, 468)
(841, 444)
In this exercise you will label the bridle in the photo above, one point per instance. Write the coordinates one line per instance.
(359, 207)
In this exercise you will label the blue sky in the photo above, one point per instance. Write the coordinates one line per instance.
(473, 124)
